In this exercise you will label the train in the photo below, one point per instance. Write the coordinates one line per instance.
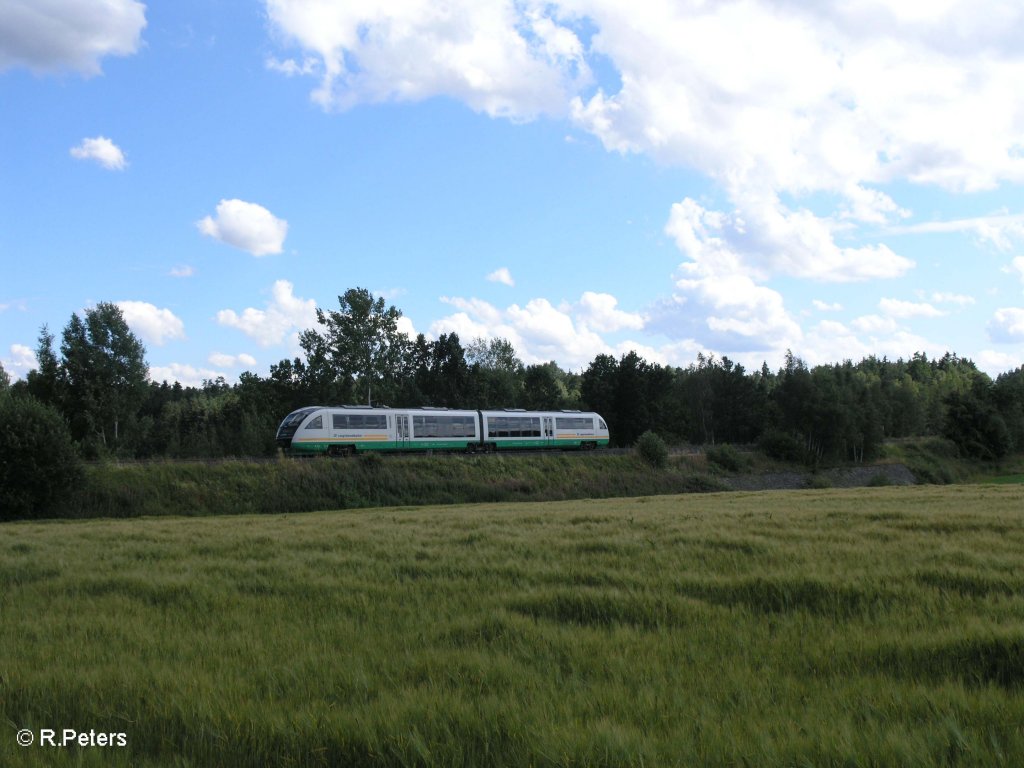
(350, 429)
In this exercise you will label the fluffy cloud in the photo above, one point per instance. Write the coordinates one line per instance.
(285, 314)
(54, 35)
(221, 360)
(598, 311)
(21, 361)
(501, 58)
(875, 324)
(184, 374)
(999, 230)
(1017, 265)
(816, 96)
(908, 309)
(952, 298)
(154, 325)
(764, 238)
(775, 101)
(247, 226)
(103, 151)
(1007, 325)
(728, 313)
(540, 331)
(993, 363)
(824, 306)
(503, 276)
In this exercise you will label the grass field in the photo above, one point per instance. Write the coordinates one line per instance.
(870, 627)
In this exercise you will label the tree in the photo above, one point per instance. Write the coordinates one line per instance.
(360, 343)
(44, 382)
(5, 381)
(449, 374)
(104, 375)
(496, 373)
(39, 468)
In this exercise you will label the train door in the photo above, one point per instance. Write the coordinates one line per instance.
(402, 429)
(549, 430)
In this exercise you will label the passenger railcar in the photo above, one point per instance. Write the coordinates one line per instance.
(353, 429)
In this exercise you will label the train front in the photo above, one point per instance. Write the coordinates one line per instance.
(290, 426)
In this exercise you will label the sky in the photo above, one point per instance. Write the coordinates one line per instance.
(580, 177)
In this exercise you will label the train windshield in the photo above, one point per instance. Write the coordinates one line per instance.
(291, 423)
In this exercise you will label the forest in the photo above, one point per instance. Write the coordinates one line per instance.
(91, 393)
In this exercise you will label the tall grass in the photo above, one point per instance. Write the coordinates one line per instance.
(829, 628)
(241, 487)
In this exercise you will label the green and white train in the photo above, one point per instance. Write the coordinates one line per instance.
(344, 430)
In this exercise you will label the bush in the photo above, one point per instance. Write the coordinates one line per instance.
(39, 468)
(652, 449)
(726, 457)
(784, 446)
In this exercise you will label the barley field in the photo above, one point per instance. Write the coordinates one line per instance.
(862, 627)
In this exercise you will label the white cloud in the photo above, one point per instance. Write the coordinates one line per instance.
(247, 226)
(764, 238)
(993, 363)
(54, 35)
(154, 325)
(22, 360)
(103, 151)
(999, 230)
(182, 271)
(824, 306)
(500, 58)
(222, 360)
(815, 96)
(875, 324)
(1007, 325)
(952, 298)
(598, 311)
(539, 330)
(907, 309)
(1017, 265)
(503, 276)
(773, 100)
(406, 327)
(285, 314)
(292, 68)
(184, 374)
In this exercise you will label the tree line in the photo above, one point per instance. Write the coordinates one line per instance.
(94, 388)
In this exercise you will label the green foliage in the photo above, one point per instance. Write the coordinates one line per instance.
(102, 378)
(360, 344)
(727, 457)
(933, 460)
(781, 445)
(842, 412)
(39, 469)
(652, 449)
(975, 424)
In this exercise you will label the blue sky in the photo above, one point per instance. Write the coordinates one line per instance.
(580, 177)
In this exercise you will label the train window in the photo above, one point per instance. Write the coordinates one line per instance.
(359, 421)
(443, 426)
(317, 423)
(574, 422)
(603, 425)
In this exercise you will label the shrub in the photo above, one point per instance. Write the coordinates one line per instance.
(652, 449)
(817, 482)
(784, 446)
(39, 468)
(726, 457)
